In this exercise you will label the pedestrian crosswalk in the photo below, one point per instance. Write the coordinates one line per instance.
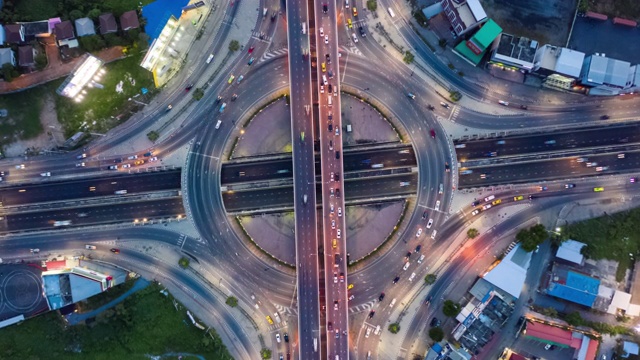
(272, 54)
(360, 308)
(454, 113)
(352, 49)
(261, 36)
(287, 310)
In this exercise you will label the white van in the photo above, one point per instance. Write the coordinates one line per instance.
(349, 128)
(324, 79)
(218, 124)
(304, 28)
(330, 101)
(346, 3)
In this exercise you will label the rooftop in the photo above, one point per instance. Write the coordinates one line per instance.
(510, 273)
(603, 70)
(518, 48)
(570, 251)
(572, 286)
(84, 26)
(129, 20)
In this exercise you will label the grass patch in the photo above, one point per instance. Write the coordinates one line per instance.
(34, 10)
(23, 120)
(102, 109)
(144, 324)
(611, 237)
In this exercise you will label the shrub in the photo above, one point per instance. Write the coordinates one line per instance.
(473, 233)
(450, 308)
(430, 279)
(183, 262)
(436, 334)
(232, 301)
(408, 57)
(394, 328)
(153, 136)
(234, 45)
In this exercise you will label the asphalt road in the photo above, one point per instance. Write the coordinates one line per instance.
(85, 188)
(94, 215)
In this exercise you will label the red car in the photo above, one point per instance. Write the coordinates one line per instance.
(433, 133)
(115, 251)
(251, 49)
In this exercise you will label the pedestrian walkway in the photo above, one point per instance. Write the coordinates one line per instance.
(75, 318)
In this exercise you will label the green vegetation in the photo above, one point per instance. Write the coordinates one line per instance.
(33, 10)
(442, 43)
(153, 136)
(372, 5)
(611, 237)
(23, 120)
(234, 45)
(583, 6)
(102, 109)
(530, 238)
(450, 308)
(145, 324)
(104, 298)
(184, 262)
(473, 233)
(9, 72)
(198, 94)
(394, 328)
(232, 301)
(436, 334)
(627, 9)
(420, 18)
(408, 57)
(265, 353)
(574, 319)
(429, 279)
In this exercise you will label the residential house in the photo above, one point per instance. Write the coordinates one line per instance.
(7, 57)
(64, 31)
(14, 34)
(107, 23)
(35, 29)
(84, 27)
(464, 15)
(25, 56)
(129, 20)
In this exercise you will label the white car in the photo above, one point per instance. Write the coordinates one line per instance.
(488, 206)
(339, 233)
(406, 266)
(278, 338)
(21, 166)
(326, 39)
(45, 174)
(80, 164)
(354, 37)
(126, 166)
(321, 31)
(413, 276)
(602, 168)
(331, 208)
(429, 223)
(419, 232)
(132, 157)
(475, 212)
(433, 234)
(321, 89)
(437, 208)
(335, 278)
(155, 158)
(489, 198)
(339, 211)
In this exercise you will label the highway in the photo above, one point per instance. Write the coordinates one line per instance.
(299, 25)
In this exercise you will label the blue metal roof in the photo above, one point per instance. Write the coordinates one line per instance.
(158, 13)
(577, 288)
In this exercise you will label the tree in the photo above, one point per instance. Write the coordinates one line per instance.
(232, 301)
(450, 308)
(93, 14)
(153, 136)
(394, 328)
(408, 57)
(92, 43)
(75, 14)
(436, 334)
(183, 262)
(529, 239)
(430, 279)
(198, 94)
(41, 61)
(234, 45)
(372, 5)
(574, 319)
(9, 72)
(550, 312)
(473, 233)
(265, 353)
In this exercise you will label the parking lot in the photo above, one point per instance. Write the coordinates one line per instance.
(595, 36)
(530, 347)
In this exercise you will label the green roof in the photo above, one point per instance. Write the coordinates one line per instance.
(463, 50)
(487, 33)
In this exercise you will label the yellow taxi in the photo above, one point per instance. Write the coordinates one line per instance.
(355, 12)
(518, 198)
(496, 202)
(598, 189)
(269, 320)
(349, 23)
(139, 162)
(335, 243)
(350, 287)
(231, 79)
(324, 67)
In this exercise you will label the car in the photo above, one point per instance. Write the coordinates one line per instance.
(437, 207)
(322, 87)
(338, 178)
(524, 107)
(447, 168)
(234, 97)
(417, 250)
(518, 198)
(330, 89)
(339, 233)
(433, 234)
(113, 167)
(169, 107)
(251, 49)
(115, 251)
(138, 162)
(350, 287)
(35, 251)
(126, 166)
(475, 203)
(444, 104)
(371, 313)
(331, 205)
(425, 215)
(413, 276)
(330, 127)
(419, 232)
(231, 79)
(581, 159)
(337, 334)
(633, 180)
(355, 11)
(427, 301)
(325, 8)
(81, 156)
(323, 67)
(483, 176)
(396, 279)
(604, 117)
(333, 224)
(500, 142)
(598, 189)
(503, 103)
(278, 338)
(591, 164)
(251, 60)
(354, 37)
(549, 142)
(90, 247)
(189, 87)
(547, 347)
(381, 297)
(337, 192)
(492, 154)
(321, 31)
(466, 172)
(429, 223)
(240, 79)
(341, 277)
(330, 326)
(335, 278)
(602, 168)
(132, 157)
(45, 174)
(433, 133)
(621, 156)
(80, 164)
(328, 58)
(349, 23)
(406, 257)
(569, 186)
(489, 198)
(496, 202)
(326, 39)
(339, 211)
(486, 207)
(19, 167)
(351, 297)
(335, 305)
(155, 158)
(362, 33)
(475, 212)
(434, 322)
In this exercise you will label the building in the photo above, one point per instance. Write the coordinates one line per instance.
(84, 27)
(629, 348)
(25, 56)
(464, 15)
(570, 251)
(515, 51)
(129, 20)
(584, 346)
(572, 286)
(64, 31)
(35, 29)
(607, 76)
(7, 57)
(107, 23)
(560, 65)
(474, 49)
(13, 34)
(2, 35)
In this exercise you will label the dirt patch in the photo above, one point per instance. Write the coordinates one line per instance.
(51, 138)
(627, 9)
(547, 21)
